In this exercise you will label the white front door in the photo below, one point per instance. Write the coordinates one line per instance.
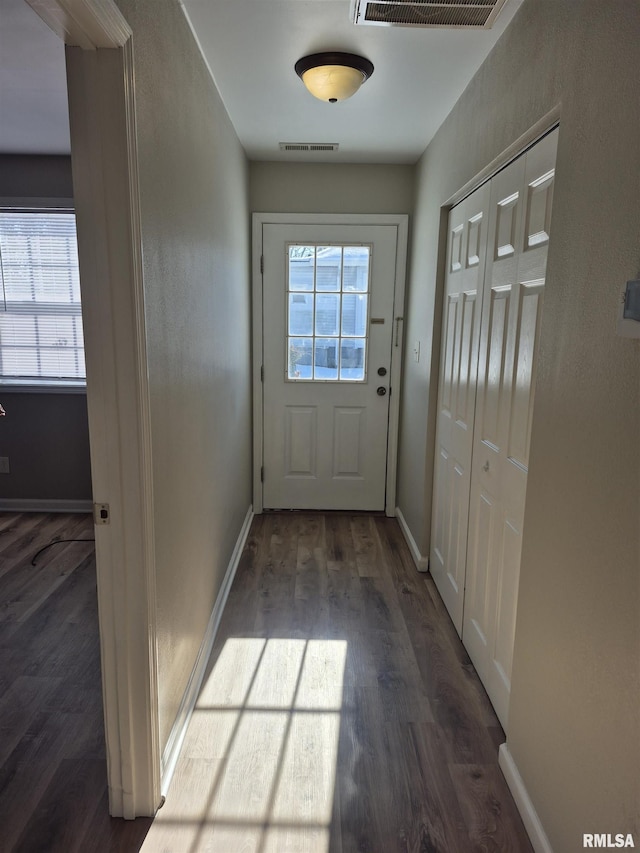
(328, 341)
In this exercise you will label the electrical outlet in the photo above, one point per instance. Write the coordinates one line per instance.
(4, 465)
(101, 514)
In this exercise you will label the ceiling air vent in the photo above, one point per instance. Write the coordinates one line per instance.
(309, 146)
(427, 13)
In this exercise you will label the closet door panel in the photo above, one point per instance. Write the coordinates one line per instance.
(485, 539)
(456, 403)
(519, 225)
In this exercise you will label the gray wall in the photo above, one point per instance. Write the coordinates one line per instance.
(330, 188)
(31, 176)
(574, 726)
(195, 240)
(45, 435)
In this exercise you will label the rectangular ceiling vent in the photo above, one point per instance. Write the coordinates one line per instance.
(309, 146)
(478, 14)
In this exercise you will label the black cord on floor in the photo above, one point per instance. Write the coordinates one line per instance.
(56, 542)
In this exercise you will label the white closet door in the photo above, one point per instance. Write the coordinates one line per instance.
(519, 224)
(456, 403)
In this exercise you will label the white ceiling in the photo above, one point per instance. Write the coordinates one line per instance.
(33, 84)
(251, 47)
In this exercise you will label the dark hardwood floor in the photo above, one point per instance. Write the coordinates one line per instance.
(53, 794)
(340, 712)
(337, 666)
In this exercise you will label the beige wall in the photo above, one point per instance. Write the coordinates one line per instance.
(574, 728)
(195, 236)
(330, 188)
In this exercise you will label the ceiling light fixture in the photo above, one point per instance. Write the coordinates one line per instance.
(333, 76)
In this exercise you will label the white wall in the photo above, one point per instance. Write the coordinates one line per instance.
(574, 728)
(195, 236)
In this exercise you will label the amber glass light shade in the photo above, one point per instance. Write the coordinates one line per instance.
(333, 76)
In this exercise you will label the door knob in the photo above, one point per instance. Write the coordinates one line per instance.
(381, 391)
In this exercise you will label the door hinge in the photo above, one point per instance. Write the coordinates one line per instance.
(261, 263)
(262, 373)
(262, 474)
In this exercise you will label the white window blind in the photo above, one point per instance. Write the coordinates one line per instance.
(40, 311)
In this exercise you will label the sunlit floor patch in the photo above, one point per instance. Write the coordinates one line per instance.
(258, 767)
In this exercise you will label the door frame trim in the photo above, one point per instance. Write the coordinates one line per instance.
(401, 222)
(101, 90)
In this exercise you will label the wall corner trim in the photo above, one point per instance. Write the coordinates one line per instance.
(524, 804)
(88, 24)
(179, 729)
(422, 563)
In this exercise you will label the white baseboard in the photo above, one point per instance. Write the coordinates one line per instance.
(179, 728)
(43, 505)
(422, 563)
(532, 823)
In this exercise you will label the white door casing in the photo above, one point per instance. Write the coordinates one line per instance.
(106, 194)
(519, 227)
(456, 397)
(321, 443)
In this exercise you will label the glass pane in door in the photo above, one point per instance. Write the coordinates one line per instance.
(327, 312)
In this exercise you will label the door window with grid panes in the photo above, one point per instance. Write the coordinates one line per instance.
(327, 312)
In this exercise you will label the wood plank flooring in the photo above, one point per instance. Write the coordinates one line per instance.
(340, 712)
(53, 777)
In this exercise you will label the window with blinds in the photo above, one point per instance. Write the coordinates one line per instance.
(41, 336)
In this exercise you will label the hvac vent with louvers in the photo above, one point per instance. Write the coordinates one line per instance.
(427, 13)
(309, 146)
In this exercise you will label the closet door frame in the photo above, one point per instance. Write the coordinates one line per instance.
(452, 580)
